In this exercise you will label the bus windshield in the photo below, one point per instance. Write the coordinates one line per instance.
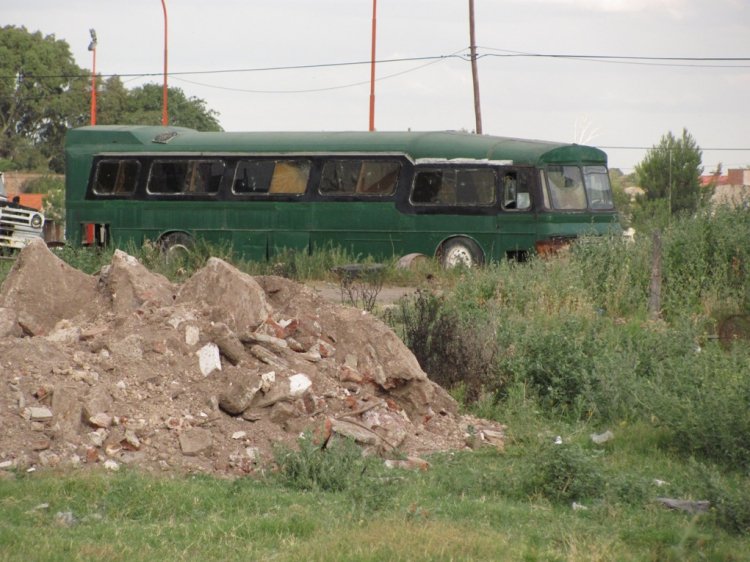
(572, 190)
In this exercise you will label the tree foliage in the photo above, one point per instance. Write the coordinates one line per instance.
(671, 171)
(43, 93)
(40, 97)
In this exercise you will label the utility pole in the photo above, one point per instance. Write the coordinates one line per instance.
(164, 112)
(92, 48)
(372, 66)
(474, 73)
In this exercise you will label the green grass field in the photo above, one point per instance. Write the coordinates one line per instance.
(553, 348)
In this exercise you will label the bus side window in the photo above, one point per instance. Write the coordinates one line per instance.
(378, 178)
(253, 176)
(340, 177)
(427, 186)
(116, 177)
(475, 187)
(290, 177)
(206, 176)
(168, 177)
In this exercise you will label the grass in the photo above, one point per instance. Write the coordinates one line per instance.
(553, 348)
(468, 506)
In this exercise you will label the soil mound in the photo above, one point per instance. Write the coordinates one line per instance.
(124, 367)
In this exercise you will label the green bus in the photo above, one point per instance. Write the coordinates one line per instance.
(462, 198)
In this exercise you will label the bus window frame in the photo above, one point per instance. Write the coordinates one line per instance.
(91, 190)
(549, 199)
(191, 161)
(234, 163)
(441, 207)
(357, 194)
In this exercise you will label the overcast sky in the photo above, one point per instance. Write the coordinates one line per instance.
(603, 103)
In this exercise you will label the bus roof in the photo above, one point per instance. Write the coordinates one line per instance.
(416, 145)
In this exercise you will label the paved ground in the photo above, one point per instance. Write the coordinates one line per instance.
(332, 292)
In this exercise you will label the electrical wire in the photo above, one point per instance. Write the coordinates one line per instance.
(461, 54)
(326, 89)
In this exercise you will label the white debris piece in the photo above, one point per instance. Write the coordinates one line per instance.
(298, 384)
(600, 438)
(192, 335)
(209, 359)
(267, 380)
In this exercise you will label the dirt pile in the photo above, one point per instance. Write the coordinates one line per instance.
(125, 367)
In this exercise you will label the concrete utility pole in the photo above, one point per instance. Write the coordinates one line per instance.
(474, 73)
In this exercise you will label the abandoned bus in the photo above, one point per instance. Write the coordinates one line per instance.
(460, 197)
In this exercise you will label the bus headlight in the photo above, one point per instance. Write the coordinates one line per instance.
(37, 221)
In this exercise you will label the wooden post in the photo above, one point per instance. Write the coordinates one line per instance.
(474, 71)
(654, 298)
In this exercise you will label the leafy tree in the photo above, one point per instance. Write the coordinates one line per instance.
(143, 106)
(40, 98)
(671, 171)
(43, 93)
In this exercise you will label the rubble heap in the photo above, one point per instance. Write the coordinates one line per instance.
(125, 367)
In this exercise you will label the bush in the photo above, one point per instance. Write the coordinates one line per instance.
(730, 500)
(340, 467)
(564, 473)
(452, 351)
(704, 397)
(312, 468)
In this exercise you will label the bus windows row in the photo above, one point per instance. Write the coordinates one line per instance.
(567, 187)
(251, 177)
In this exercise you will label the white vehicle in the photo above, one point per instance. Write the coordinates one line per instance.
(19, 225)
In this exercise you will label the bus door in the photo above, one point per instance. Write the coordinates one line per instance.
(516, 218)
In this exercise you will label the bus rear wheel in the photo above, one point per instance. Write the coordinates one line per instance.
(176, 245)
(461, 252)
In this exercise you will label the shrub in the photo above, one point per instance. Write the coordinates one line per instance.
(452, 351)
(704, 397)
(340, 467)
(564, 473)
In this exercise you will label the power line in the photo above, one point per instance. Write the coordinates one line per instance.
(627, 59)
(503, 53)
(326, 89)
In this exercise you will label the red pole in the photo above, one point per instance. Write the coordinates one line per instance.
(93, 89)
(372, 66)
(164, 113)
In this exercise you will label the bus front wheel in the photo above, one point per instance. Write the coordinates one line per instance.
(461, 252)
(176, 245)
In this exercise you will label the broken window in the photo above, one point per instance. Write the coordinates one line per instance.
(116, 177)
(271, 176)
(516, 191)
(359, 177)
(454, 186)
(185, 176)
(566, 189)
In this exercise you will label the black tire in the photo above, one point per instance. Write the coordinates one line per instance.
(461, 252)
(176, 245)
